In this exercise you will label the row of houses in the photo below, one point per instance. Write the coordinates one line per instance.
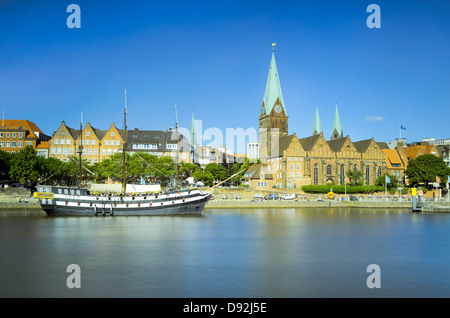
(98, 144)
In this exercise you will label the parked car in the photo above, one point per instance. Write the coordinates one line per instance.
(272, 196)
(288, 196)
(353, 198)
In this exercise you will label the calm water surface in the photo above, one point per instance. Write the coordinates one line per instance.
(304, 252)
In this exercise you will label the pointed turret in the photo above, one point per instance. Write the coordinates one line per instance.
(337, 128)
(273, 93)
(317, 129)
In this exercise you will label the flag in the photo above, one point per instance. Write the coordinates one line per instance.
(110, 181)
(438, 180)
(402, 128)
(388, 180)
(142, 180)
(347, 180)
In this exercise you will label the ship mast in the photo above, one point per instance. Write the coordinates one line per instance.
(124, 182)
(177, 151)
(80, 149)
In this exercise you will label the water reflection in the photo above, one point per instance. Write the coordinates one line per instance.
(308, 252)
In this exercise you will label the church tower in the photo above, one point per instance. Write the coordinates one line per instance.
(337, 128)
(273, 120)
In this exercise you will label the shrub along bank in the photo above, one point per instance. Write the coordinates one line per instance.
(341, 189)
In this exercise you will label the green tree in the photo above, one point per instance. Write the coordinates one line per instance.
(425, 168)
(381, 181)
(5, 164)
(187, 169)
(204, 176)
(218, 171)
(241, 168)
(25, 167)
(355, 177)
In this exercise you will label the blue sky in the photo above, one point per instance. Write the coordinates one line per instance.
(212, 57)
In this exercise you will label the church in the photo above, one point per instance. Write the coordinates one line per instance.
(291, 161)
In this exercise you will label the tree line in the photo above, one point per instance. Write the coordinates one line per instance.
(29, 169)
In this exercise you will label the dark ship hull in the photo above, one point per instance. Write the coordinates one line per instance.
(79, 202)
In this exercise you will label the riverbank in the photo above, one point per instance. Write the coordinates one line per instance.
(20, 198)
(229, 204)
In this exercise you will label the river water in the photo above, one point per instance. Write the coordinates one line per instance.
(239, 253)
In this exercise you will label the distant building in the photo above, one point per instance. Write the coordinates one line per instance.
(101, 144)
(393, 143)
(16, 134)
(253, 151)
(433, 141)
(167, 142)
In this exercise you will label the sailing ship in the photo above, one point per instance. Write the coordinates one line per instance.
(80, 201)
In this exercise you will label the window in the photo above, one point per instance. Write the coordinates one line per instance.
(1, 135)
(292, 175)
(67, 141)
(7, 144)
(84, 151)
(7, 135)
(96, 151)
(95, 160)
(87, 142)
(118, 143)
(88, 133)
(329, 171)
(14, 135)
(56, 142)
(58, 151)
(89, 151)
(103, 152)
(53, 151)
(262, 176)
(298, 175)
(20, 135)
(28, 143)
(109, 152)
(112, 134)
(114, 151)
(112, 142)
(93, 142)
(298, 166)
(61, 141)
(379, 171)
(316, 174)
(106, 142)
(64, 151)
(367, 175)
(70, 151)
(292, 166)
(1, 143)
(90, 161)
(13, 144)
(171, 146)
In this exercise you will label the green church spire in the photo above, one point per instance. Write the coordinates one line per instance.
(337, 128)
(273, 87)
(317, 129)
